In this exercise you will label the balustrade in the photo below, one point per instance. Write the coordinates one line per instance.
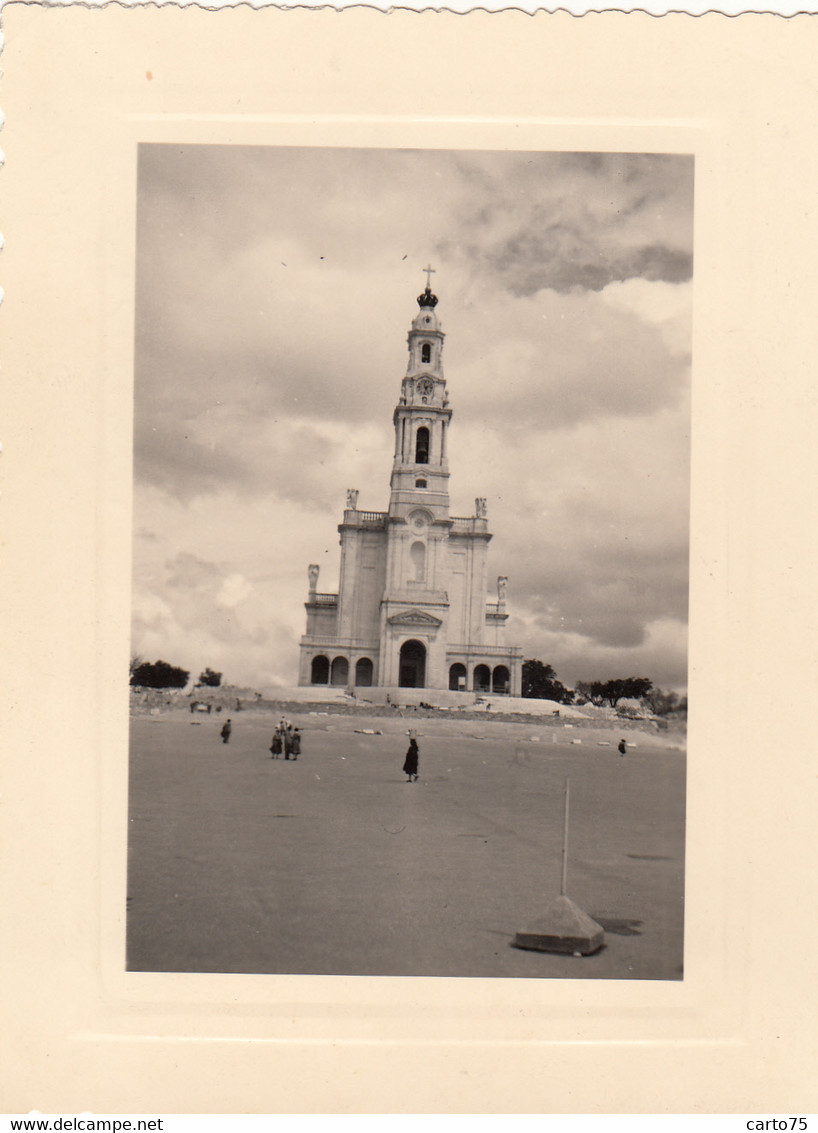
(372, 518)
(468, 523)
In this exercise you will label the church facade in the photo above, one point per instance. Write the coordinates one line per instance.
(411, 609)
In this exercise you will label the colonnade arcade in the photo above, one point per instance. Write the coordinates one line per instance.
(482, 678)
(339, 672)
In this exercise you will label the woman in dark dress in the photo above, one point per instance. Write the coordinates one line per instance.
(275, 747)
(410, 765)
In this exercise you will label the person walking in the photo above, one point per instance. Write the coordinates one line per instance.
(295, 743)
(623, 747)
(410, 764)
(225, 732)
(287, 740)
(275, 747)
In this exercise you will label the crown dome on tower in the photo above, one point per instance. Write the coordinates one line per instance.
(426, 320)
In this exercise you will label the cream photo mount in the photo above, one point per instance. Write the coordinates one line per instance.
(72, 135)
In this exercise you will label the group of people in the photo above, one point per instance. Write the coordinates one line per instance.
(286, 741)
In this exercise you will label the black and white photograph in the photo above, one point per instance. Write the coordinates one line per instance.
(408, 667)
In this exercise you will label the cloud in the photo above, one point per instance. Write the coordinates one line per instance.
(662, 656)
(169, 457)
(234, 589)
(552, 360)
(577, 221)
(195, 612)
(590, 524)
(292, 460)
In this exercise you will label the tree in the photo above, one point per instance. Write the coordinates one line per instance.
(663, 703)
(540, 682)
(585, 690)
(611, 692)
(158, 675)
(209, 678)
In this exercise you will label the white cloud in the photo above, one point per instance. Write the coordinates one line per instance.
(234, 590)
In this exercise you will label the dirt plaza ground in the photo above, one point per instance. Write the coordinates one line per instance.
(334, 864)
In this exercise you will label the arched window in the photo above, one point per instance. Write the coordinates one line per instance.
(457, 677)
(422, 446)
(420, 484)
(340, 671)
(417, 555)
(363, 673)
(426, 352)
(320, 671)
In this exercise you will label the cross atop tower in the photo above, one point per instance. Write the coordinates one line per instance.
(430, 271)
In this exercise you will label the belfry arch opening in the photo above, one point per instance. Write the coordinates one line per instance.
(426, 352)
(422, 446)
(412, 668)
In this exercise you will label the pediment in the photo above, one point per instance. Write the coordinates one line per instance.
(414, 618)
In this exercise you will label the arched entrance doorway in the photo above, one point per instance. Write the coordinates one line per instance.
(320, 671)
(339, 674)
(363, 673)
(412, 667)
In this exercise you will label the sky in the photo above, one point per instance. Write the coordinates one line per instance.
(275, 288)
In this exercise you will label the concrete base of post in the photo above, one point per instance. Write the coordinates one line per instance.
(564, 927)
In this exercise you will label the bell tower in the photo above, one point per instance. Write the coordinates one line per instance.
(411, 610)
(420, 470)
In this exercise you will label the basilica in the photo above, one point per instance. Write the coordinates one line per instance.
(412, 607)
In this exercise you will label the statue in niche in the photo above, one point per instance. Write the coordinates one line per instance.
(352, 499)
(312, 571)
(502, 583)
(480, 507)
